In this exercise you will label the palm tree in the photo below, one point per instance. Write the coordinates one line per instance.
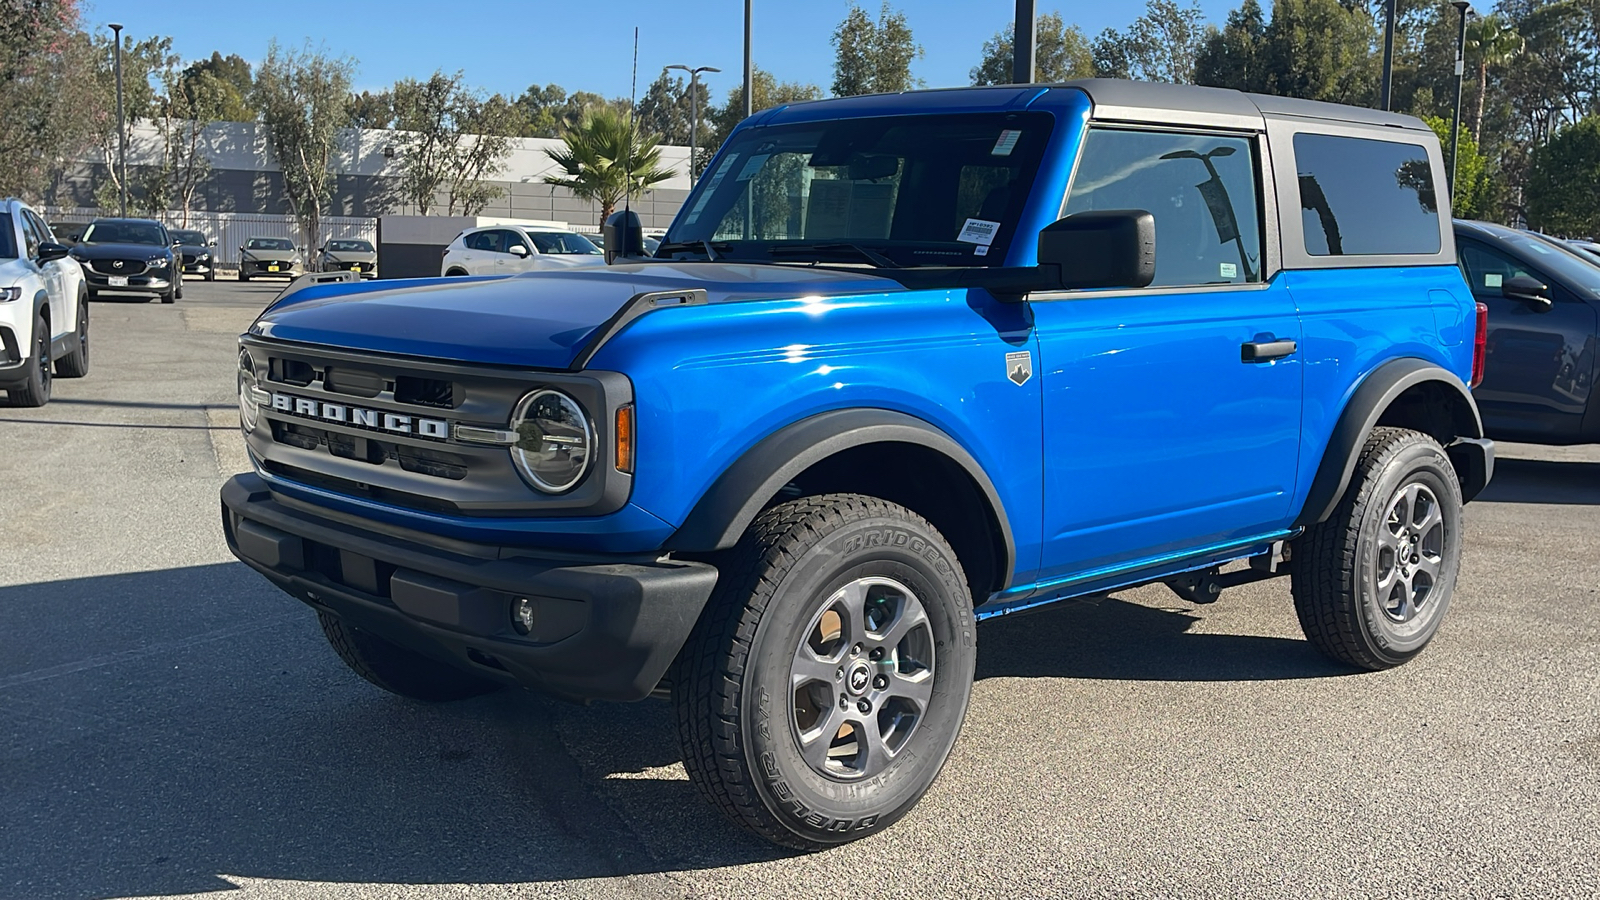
(1492, 42)
(604, 160)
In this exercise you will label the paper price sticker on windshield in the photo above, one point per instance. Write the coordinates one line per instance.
(978, 231)
(752, 167)
(1006, 143)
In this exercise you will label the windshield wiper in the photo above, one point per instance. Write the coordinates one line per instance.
(872, 256)
(701, 246)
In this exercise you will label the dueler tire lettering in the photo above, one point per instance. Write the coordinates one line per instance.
(735, 704)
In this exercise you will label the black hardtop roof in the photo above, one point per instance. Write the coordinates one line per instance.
(1173, 103)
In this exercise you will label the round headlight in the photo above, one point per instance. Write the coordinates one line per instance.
(249, 408)
(554, 441)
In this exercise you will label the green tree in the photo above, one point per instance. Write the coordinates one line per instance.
(488, 126)
(142, 63)
(451, 137)
(371, 110)
(49, 98)
(1562, 180)
(1160, 45)
(185, 112)
(1491, 43)
(873, 57)
(303, 96)
(1235, 57)
(1062, 53)
(665, 108)
(233, 75)
(768, 92)
(604, 160)
(1474, 190)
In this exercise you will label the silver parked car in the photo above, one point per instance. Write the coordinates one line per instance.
(270, 257)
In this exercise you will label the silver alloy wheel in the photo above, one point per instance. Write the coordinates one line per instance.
(1410, 553)
(862, 678)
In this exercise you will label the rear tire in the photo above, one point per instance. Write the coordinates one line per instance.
(243, 276)
(1372, 584)
(398, 670)
(827, 680)
(35, 389)
(76, 363)
(211, 274)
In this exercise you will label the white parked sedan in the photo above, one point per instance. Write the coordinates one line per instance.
(507, 249)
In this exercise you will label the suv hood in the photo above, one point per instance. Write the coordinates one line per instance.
(117, 251)
(535, 319)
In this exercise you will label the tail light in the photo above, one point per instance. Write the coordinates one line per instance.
(1480, 345)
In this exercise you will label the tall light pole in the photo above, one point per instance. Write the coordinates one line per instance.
(694, 113)
(1461, 68)
(1388, 54)
(1024, 43)
(749, 65)
(122, 132)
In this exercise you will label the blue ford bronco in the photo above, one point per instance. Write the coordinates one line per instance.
(902, 363)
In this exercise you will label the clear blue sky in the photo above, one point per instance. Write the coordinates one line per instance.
(506, 46)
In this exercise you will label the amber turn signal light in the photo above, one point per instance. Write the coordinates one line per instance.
(625, 445)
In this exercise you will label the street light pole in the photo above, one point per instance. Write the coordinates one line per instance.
(1024, 43)
(1388, 54)
(749, 65)
(1461, 67)
(694, 114)
(122, 132)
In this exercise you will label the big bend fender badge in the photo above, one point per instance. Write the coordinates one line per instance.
(1019, 366)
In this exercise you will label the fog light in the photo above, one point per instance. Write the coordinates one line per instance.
(522, 615)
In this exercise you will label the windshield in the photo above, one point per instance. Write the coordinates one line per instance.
(349, 247)
(808, 191)
(124, 233)
(268, 244)
(1557, 259)
(189, 238)
(563, 242)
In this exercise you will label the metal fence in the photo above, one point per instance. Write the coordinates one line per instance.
(229, 230)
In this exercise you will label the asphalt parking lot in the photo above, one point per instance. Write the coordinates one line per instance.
(170, 725)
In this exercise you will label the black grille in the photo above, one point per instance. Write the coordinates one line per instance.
(423, 461)
(119, 266)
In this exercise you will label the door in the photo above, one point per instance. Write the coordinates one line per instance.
(475, 256)
(519, 256)
(49, 275)
(63, 309)
(1171, 413)
(1539, 369)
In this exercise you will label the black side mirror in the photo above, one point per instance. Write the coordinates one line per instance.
(1102, 249)
(50, 252)
(211, 243)
(624, 235)
(1529, 290)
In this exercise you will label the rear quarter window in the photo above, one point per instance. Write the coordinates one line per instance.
(1365, 197)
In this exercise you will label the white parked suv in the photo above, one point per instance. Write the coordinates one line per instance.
(507, 249)
(44, 308)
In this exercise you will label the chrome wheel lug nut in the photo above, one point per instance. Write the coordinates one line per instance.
(881, 682)
(864, 706)
(856, 650)
(844, 702)
(877, 654)
(839, 675)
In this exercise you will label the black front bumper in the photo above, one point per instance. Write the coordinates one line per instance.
(603, 629)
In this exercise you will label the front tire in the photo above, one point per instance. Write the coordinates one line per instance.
(35, 389)
(398, 670)
(1372, 584)
(826, 683)
(76, 363)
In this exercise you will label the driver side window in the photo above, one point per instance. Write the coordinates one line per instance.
(30, 237)
(513, 239)
(1200, 188)
(1487, 270)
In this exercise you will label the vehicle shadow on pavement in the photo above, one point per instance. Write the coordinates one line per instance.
(1544, 481)
(161, 731)
(1109, 638)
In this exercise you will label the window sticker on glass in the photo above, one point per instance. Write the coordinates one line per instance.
(980, 250)
(1006, 143)
(978, 231)
(1493, 279)
(752, 167)
(1228, 270)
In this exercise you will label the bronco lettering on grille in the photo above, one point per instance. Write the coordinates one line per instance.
(375, 420)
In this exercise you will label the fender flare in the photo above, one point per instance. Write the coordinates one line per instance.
(1361, 414)
(725, 510)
